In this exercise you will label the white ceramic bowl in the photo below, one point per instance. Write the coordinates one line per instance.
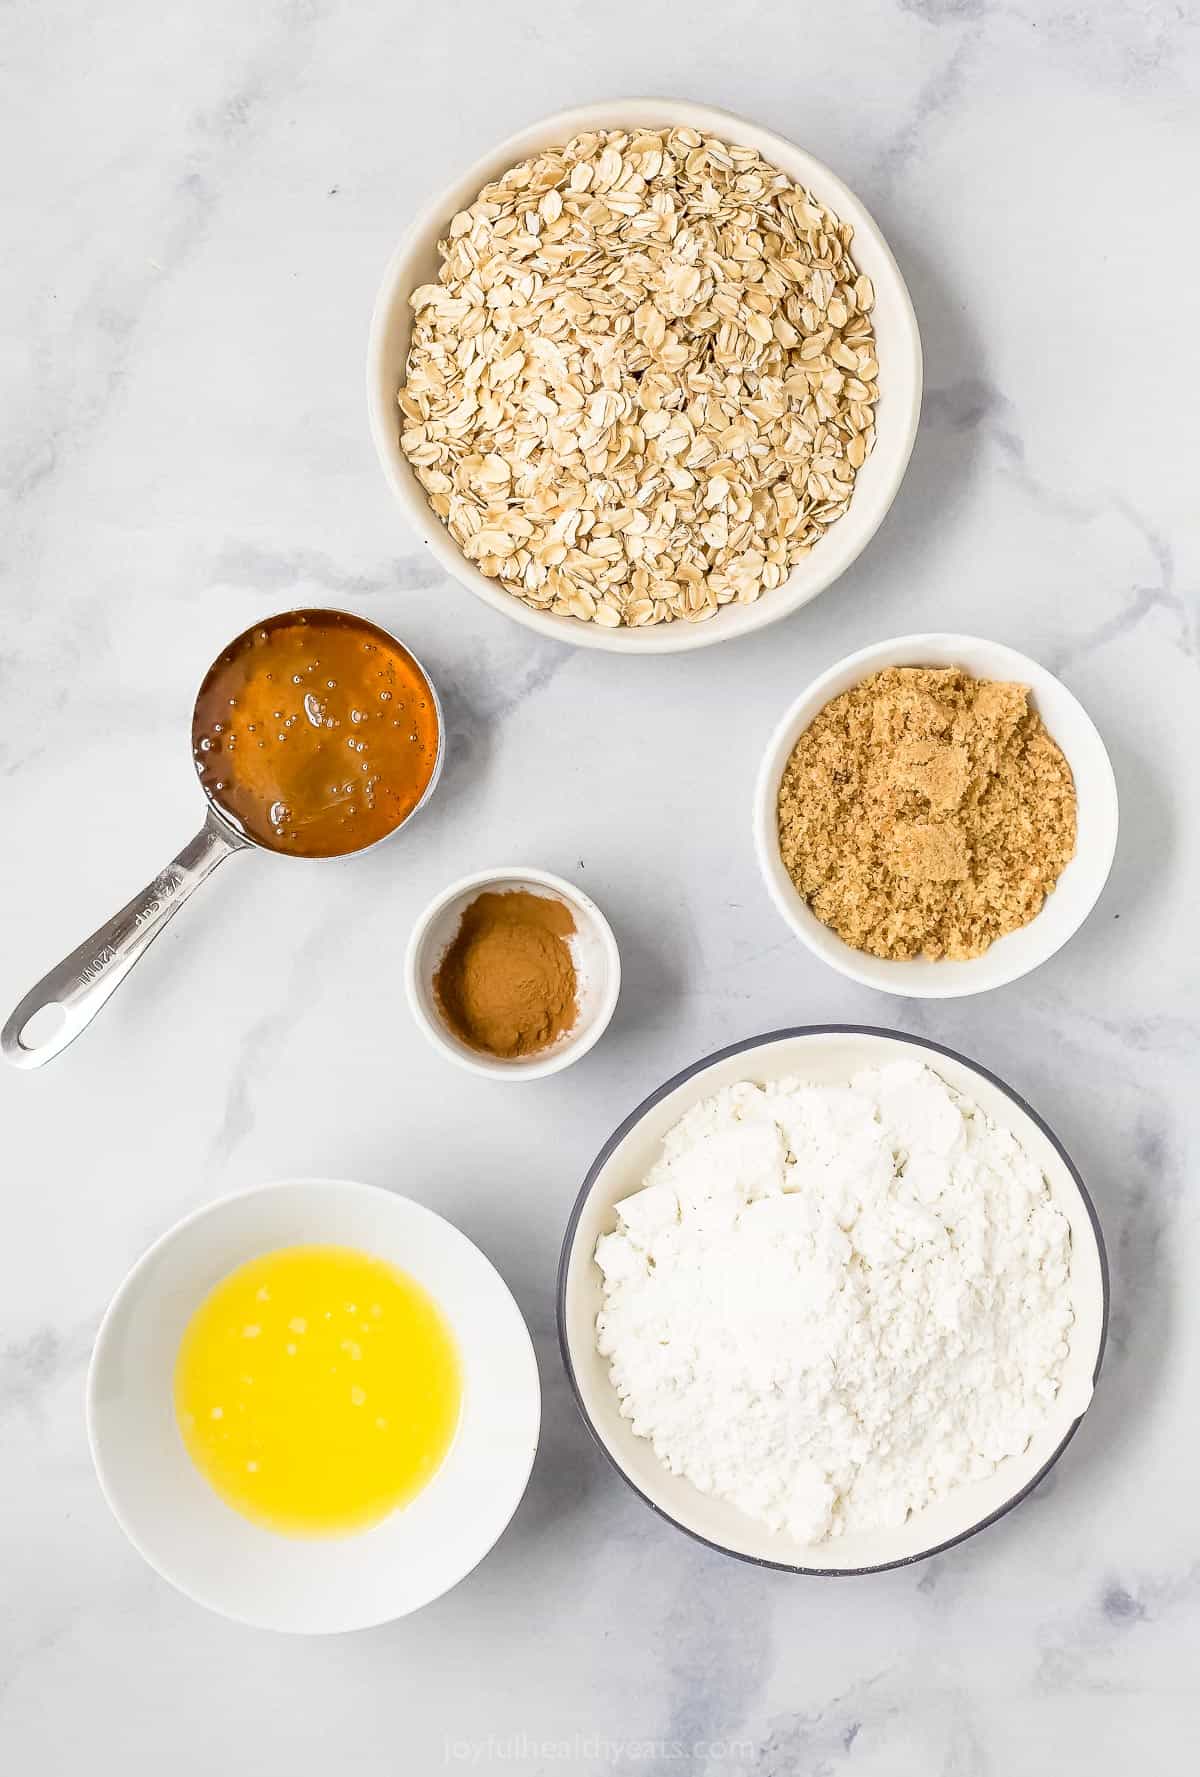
(593, 950)
(310, 1585)
(824, 1055)
(1078, 887)
(416, 262)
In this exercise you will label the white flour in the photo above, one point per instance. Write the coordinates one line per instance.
(831, 1305)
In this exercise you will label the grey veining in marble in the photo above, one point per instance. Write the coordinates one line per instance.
(199, 201)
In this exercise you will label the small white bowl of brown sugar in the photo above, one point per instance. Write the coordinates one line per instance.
(935, 815)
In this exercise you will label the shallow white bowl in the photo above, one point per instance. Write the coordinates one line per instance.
(593, 949)
(1079, 886)
(310, 1585)
(826, 1055)
(416, 262)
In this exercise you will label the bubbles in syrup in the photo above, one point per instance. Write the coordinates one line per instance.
(277, 792)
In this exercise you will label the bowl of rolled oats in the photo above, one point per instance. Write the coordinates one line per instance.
(646, 377)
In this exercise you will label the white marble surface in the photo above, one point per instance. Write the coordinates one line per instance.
(199, 201)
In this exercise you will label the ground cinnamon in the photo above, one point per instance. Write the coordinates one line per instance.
(506, 985)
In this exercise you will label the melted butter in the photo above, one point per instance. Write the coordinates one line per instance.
(317, 1389)
(316, 733)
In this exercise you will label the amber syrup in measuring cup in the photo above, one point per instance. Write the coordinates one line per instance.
(315, 733)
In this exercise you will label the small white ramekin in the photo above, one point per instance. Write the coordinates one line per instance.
(416, 262)
(594, 952)
(1079, 886)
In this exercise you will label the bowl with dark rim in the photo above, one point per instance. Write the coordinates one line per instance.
(823, 1055)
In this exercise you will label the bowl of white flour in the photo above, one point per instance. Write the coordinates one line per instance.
(833, 1299)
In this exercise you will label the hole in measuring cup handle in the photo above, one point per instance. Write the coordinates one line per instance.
(42, 1027)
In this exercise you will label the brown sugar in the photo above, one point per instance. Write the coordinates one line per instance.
(506, 985)
(926, 813)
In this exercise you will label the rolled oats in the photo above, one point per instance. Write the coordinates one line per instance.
(644, 380)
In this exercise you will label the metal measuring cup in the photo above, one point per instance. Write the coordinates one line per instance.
(83, 981)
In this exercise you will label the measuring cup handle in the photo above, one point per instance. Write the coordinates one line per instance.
(82, 982)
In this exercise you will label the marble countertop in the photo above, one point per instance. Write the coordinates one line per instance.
(203, 199)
